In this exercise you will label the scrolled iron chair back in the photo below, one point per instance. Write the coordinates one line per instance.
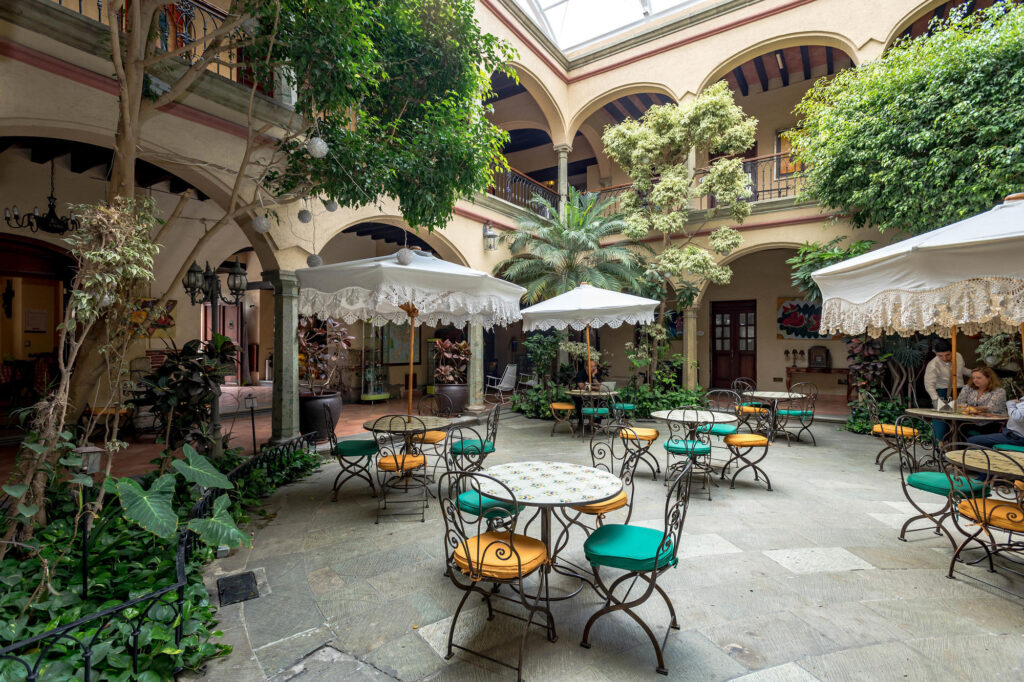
(471, 457)
(332, 437)
(766, 420)
(626, 469)
(677, 502)
(917, 452)
(492, 424)
(1002, 475)
(724, 400)
(388, 430)
(871, 407)
(435, 405)
(461, 525)
(808, 393)
(743, 385)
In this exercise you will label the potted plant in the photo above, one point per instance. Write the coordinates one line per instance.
(451, 363)
(323, 345)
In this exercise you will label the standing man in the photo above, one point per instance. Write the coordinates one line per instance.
(938, 380)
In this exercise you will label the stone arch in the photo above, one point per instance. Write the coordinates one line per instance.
(437, 241)
(595, 104)
(214, 187)
(548, 104)
(912, 16)
(604, 164)
(742, 253)
(825, 39)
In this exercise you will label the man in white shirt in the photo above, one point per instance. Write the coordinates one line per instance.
(1011, 434)
(937, 374)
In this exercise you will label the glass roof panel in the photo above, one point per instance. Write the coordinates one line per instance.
(572, 23)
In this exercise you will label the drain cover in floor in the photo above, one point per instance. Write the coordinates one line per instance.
(236, 588)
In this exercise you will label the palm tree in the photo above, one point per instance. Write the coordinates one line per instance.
(551, 256)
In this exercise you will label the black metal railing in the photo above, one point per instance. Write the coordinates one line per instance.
(519, 189)
(89, 631)
(186, 23)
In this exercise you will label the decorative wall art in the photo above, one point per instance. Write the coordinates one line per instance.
(798, 318)
(396, 344)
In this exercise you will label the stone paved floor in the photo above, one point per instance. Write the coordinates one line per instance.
(806, 582)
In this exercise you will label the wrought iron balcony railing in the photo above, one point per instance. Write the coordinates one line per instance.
(519, 189)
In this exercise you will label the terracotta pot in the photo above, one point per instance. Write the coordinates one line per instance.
(457, 393)
(313, 417)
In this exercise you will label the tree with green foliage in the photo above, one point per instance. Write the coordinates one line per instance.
(811, 256)
(553, 255)
(929, 134)
(655, 152)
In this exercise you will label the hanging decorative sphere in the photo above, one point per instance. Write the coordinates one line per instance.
(316, 147)
(305, 216)
(331, 205)
(404, 256)
(314, 260)
(261, 224)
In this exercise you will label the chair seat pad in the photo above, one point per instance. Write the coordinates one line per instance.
(717, 429)
(598, 508)
(630, 548)
(1001, 514)
(753, 409)
(471, 446)
(797, 413)
(893, 430)
(679, 446)
(599, 411)
(430, 437)
(745, 440)
(488, 555)
(401, 462)
(627, 407)
(938, 483)
(356, 448)
(472, 502)
(1009, 447)
(639, 434)
(563, 406)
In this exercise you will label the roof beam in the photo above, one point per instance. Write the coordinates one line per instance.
(830, 60)
(762, 74)
(646, 100)
(614, 112)
(805, 60)
(741, 80)
(630, 108)
(44, 151)
(85, 157)
(780, 58)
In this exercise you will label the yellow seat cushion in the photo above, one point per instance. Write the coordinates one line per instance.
(598, 508)
(641, 434)
(745, 440)
(752, 409)
(893, 430)
(1001, 514)
(430, 437)
(491, 558)
(401, 462)
(562, 406)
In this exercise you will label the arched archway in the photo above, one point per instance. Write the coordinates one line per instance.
(616, 102)
(372, 235)
(917, 22)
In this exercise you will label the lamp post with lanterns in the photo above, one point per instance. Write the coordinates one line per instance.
(204, 287)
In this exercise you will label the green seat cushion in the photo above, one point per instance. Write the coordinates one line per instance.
(599, 411)
(938, 483)
(472, 502)
(356, 448)
(1008, 447)
(630, 548)
(797, 413)
(678, 446)
(628, 407)
(471, 446)
(718, 429)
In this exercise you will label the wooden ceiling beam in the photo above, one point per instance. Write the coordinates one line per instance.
(741, 81)
(805, 60)
(780, 58)
(762, 73)
(830, 60)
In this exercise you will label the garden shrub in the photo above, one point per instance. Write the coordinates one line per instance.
(860, 422)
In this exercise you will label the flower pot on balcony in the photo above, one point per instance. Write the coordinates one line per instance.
(313, 417)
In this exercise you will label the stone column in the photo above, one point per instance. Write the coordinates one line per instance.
(476, 370)
(285, 417)
(690, 345)
(563, 174)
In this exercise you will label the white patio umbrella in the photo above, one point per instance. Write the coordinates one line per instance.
(967, 276)
(587, 306)
(409, 286)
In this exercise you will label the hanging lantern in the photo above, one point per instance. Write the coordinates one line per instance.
(314, 260)
(305, 216)
(261, 224)
(331, 205)
(316, 147)
(404, 256)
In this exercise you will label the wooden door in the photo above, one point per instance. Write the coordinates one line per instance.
(733, 341)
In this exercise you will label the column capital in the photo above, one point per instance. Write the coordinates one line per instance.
(563, 148)
(283, 281)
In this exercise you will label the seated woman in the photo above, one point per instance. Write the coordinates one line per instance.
(983, 394)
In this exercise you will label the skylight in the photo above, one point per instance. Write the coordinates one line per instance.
(571, 24)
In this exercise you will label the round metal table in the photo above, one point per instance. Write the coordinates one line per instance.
(418, 423)
(695, 418)
(551, 485)
(588, 395)
(775, 396)
(1007, 463)
(956, 420)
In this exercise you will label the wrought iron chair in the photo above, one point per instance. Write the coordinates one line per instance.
(469, 456)
(748, 407)
(994, 522)
(478, 446)
(726, 402)
(563, 412)
(687, 444)
(799, 412)
(643, 438)
(749, 449)
(504, 386)
(400, 466)
(604, 456)
(599, 404)
(889, 433)
(923, 469)
(435, 405)
(645, 554)
(484, 549)
(354, 457)
(743, 385)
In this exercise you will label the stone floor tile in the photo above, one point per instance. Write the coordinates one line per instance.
(406, 658)
(284, 653)
(817, 559)
(787, 672)
(705, 544)
(764, 641)
(327, 664)
(882, 662)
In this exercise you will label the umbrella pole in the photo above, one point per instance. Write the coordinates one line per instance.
(590, 375)
(1022, 341)
(412, 312)
(955, 378)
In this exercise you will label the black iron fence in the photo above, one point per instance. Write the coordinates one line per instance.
(128, 618)
(519, 189)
